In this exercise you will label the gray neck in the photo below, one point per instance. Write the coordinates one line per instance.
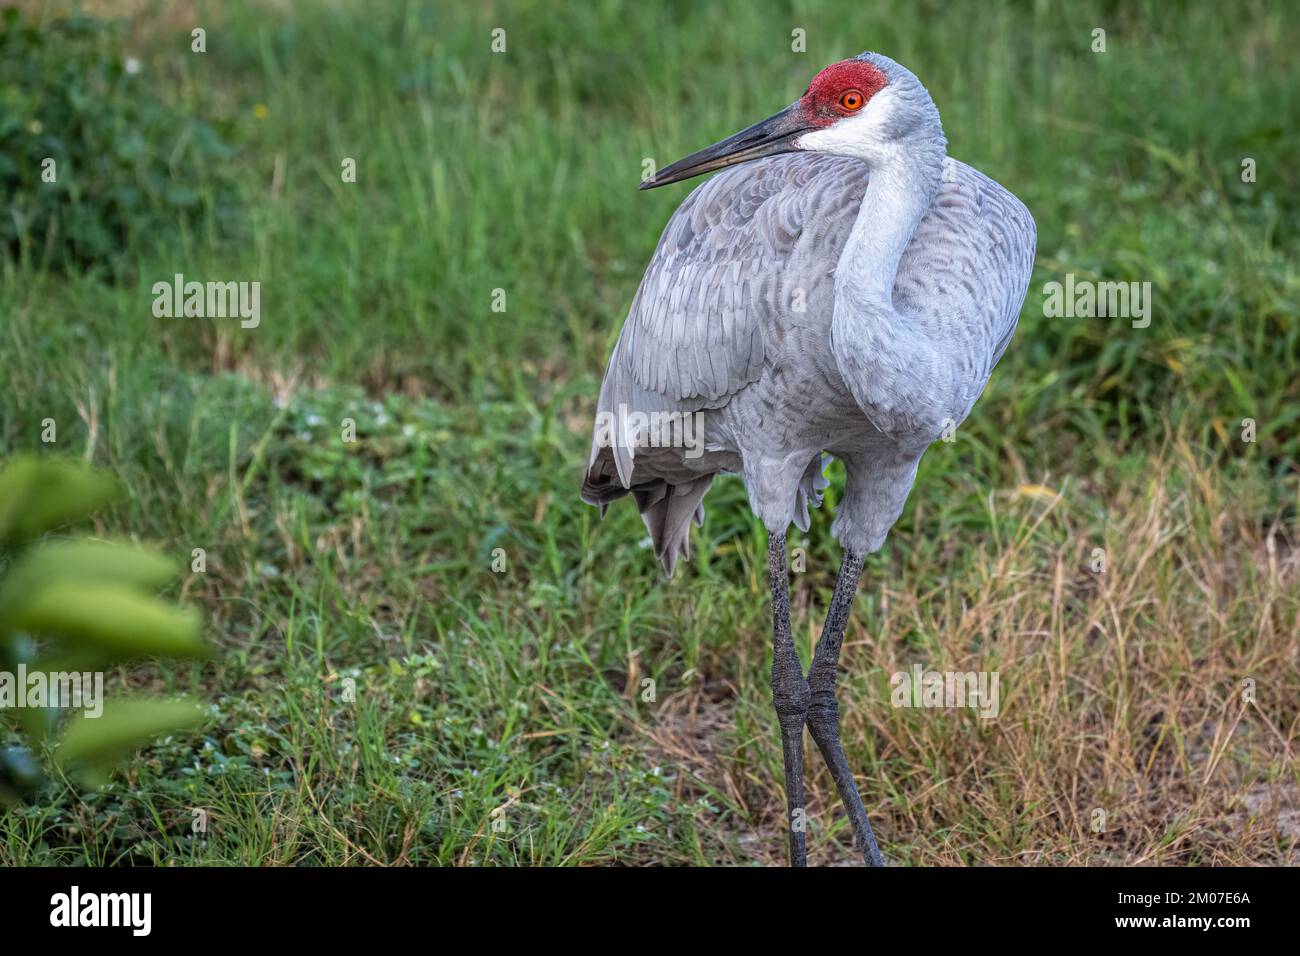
(887, 359)
(898, 196)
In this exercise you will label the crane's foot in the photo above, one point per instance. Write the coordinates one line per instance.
(790, 697)
(824, 711)
(827, 736)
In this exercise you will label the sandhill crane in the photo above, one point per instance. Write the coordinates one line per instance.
(847, 291)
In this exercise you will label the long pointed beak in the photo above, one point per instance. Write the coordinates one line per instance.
(776, 134)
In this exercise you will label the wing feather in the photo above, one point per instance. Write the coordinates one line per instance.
(695, 332)
(719, 291)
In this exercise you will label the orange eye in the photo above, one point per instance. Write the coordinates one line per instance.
(851, 100)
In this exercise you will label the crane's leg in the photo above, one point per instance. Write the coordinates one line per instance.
(789, 696)
(824, 711)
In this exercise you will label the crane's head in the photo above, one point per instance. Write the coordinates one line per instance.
(867, 108)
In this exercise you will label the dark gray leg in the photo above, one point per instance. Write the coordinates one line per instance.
(789, 697)
(824, 712)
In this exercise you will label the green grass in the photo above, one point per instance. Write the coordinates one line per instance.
(519, 691)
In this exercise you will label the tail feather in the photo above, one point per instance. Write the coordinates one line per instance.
(811, 486)
(668, 510)
(602, 483)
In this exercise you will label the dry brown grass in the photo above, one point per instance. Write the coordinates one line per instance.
(1121, 692)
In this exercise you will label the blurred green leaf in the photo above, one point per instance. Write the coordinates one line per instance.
(84, 562)
(84, 605)
(40, 494)
(123, 727)
(118, 621)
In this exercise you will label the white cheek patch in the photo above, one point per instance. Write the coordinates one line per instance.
(843, 135)
(856, 135)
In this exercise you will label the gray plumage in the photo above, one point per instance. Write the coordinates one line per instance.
(736, 319)
(845, 291)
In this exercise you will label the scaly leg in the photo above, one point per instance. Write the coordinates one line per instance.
(790, 697)
(824, 711)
